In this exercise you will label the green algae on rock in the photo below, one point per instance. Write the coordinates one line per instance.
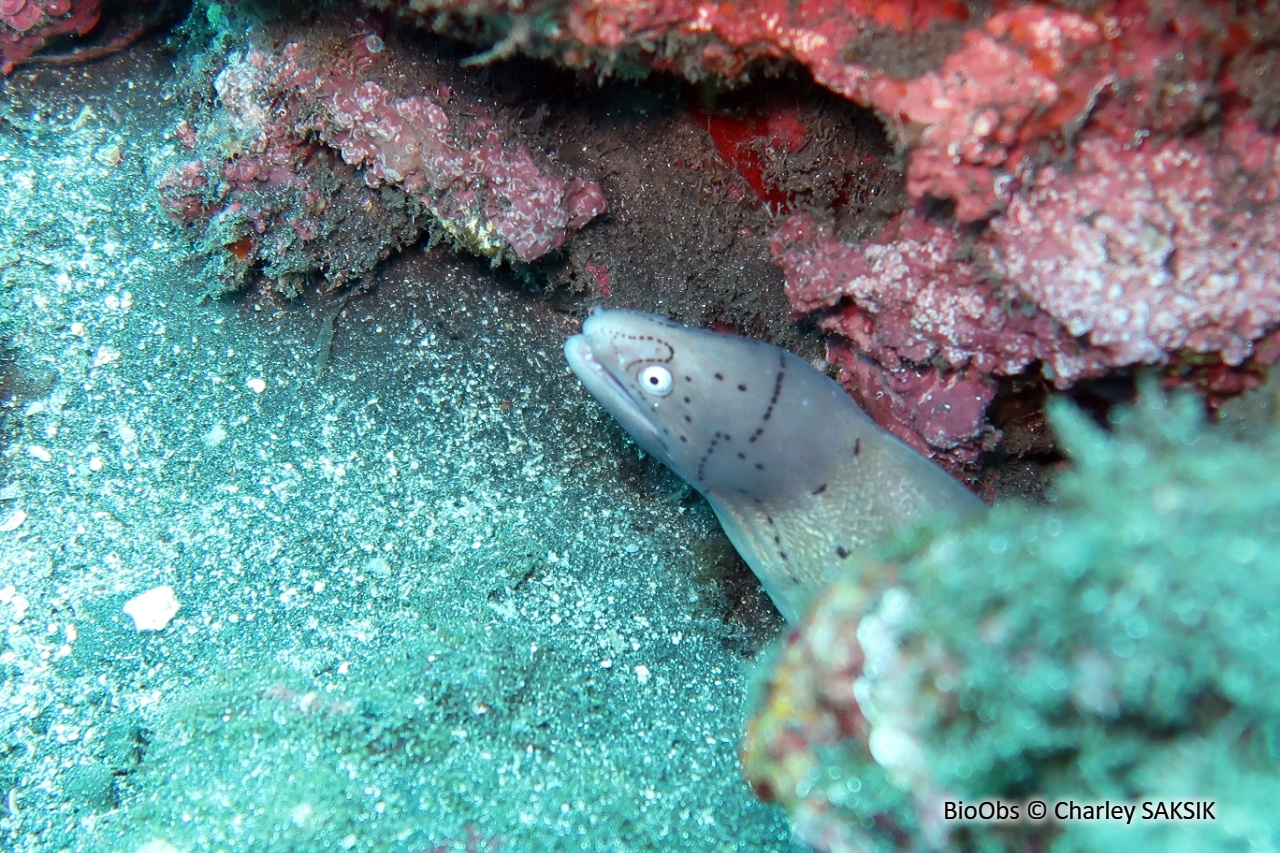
(1117, 644)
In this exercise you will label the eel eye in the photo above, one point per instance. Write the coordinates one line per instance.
(656, 380)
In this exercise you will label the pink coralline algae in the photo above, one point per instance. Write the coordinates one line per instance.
(264, 177)
(1109, 174)
(915, 294)
(25, 25)
(940, 413)
(919, 327)
(1019, 78)
(972, 96)
(1146, 251)
(1135, 254)
(492, 196)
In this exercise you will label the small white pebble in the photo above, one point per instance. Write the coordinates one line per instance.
(152, 610)
(257, 385)
(96, 463)
(105, 355)
(40, 453)
(108, 155)
(301, 814)
(642, 673)
(606, 664)
(215, 436)
(10, 595)
(13, 522)
(78, 330)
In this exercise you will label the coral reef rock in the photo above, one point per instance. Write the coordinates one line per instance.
(1108, 176)
(1114, 644)
(25, 26)
(310, 164)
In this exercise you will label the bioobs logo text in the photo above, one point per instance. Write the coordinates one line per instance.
(987, 810)
(1071, 811)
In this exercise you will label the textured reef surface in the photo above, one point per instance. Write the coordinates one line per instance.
(27, 25)
(1132, 136)
(1115, 643)
(306, 152)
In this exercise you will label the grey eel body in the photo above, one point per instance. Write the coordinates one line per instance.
(798, 475)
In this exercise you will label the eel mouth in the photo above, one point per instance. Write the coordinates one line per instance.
(583, 362)
(607, 388)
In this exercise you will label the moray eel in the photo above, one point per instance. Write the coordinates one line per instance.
(798, 475)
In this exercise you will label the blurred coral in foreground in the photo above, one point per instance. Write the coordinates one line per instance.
(1110, 175)
(25, 26)
(271, 185)
(1115, 644)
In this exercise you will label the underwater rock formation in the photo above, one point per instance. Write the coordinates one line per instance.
(1147, 252)
(25, 25)
(1155, 254)
(920, 330)
(1109, 176)
(1116, 644)
(972, 95)
(272, 187)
